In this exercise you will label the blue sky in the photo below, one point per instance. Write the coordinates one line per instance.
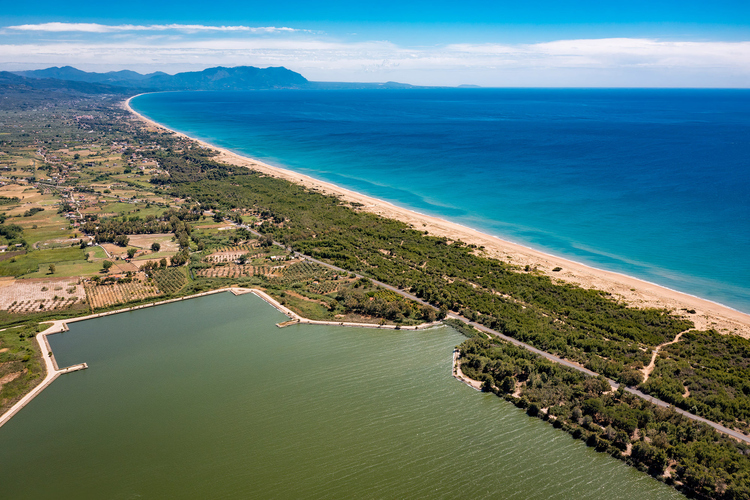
(492, 43)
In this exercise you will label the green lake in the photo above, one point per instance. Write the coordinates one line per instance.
(208, 399)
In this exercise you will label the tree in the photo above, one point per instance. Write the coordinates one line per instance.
(428, 314)
(155, 247)
(131, 252)
(52, 269)
(442, 313)
(183, 240)
(121, 240)
(266, 240)
(106, 265)
(631, 377)
(163, 262)
(179, 259)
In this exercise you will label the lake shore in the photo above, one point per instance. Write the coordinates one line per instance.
(633, 291)
(60, 326)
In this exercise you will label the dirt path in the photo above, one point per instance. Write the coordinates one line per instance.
(650, 368)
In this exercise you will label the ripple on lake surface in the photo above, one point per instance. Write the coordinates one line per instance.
(206, 398)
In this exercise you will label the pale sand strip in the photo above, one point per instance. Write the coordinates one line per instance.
(459, 375)
(59, 326)
(631, 290)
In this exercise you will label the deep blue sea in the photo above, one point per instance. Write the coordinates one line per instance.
(650, 183)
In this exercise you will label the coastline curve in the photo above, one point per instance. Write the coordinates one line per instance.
(635, 292)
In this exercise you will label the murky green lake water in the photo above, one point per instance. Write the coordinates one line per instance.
(207, 398)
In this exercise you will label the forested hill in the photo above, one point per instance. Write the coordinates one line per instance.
(218, 78)
(19, 84)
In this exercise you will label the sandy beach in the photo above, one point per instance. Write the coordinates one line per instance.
(633, 291)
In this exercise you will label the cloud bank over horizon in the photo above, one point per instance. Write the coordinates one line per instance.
(615, 62)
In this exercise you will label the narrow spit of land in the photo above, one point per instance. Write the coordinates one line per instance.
(636, 292)
(615, 385)
(60, 326)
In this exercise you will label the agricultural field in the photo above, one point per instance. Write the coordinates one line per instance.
(38, 261)
(123, 266)
(36, 214)
(326, 287)
(231, 254)
(26, 195)
(96, 252)
(302, 272)
(33, 295)
(144, 241)
(169, 279)
(101, 295)
(113, 251)
(237, 271)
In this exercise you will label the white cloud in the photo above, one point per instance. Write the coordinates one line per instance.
(586, 62)
(616, 52)
(117, 28)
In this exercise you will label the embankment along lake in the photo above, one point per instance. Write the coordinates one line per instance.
(207, 398)
(652, 183)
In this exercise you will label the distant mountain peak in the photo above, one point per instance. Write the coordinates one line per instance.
(217, 78)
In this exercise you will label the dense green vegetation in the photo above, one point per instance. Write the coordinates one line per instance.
(585, 326)
(21, 365)
(707, 374)
(674, 449)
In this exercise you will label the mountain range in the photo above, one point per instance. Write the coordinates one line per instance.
(219, 78)
(129, 82)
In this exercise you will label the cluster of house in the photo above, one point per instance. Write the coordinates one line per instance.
(5, 248)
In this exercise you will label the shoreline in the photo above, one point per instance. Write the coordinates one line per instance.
(459, 375)
(632, 291)
(60, 326)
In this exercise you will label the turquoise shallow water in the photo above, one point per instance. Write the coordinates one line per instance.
(650, 183)
(207, 398)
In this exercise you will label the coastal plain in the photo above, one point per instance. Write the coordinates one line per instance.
(123, 214)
